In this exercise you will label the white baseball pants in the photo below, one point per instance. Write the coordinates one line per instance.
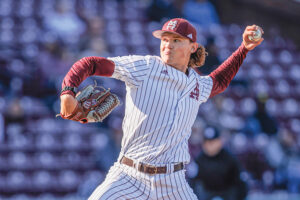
(126, 183)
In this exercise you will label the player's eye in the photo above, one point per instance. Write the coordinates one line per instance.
(176, 40)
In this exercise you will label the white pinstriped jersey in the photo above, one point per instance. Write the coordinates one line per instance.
(161, 106)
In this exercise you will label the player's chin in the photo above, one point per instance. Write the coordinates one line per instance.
(167, 59)
(169, 62)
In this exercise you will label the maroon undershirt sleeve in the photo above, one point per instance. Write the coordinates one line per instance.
(223, 75)
(85, 67)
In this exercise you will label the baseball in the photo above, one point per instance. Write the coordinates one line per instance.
(257, 35)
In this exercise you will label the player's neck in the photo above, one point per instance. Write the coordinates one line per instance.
(182, 68)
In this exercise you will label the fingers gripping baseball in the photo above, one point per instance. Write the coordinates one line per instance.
(252, 36)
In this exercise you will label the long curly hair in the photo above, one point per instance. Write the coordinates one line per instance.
(197, 59)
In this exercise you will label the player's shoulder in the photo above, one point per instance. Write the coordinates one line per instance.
(133, 58)
(158, 58)
(127, 57)
(196, 72)
(201, 77)
(150, 59)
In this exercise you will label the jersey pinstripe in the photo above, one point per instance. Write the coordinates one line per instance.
(161, 106)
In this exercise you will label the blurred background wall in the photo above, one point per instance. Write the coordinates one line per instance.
(43, 157)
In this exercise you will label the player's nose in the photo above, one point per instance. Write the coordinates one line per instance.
(169, 45)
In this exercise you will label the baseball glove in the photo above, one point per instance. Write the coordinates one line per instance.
(95, 103)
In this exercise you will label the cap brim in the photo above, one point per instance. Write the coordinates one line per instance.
(159, 33)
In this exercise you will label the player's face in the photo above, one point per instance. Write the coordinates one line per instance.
(175, 50)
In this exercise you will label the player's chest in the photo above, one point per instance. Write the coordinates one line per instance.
(178, 87)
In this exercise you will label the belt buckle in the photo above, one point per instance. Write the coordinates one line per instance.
(155, 170)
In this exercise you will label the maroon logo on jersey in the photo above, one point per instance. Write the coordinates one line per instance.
(195, 93)
(164, 72)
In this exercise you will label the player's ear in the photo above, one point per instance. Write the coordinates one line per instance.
(194, 47)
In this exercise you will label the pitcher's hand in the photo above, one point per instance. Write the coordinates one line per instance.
(249, 44)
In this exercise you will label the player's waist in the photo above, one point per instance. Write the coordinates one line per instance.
(152, 169)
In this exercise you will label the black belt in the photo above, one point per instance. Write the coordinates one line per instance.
(148, 169)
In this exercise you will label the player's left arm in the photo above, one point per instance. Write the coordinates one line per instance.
(223, 75)
(80, 70)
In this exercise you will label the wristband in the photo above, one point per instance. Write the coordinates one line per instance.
(72, 89)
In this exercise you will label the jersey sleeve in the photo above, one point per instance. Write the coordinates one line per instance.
(131, 69)
(205, 87)
(223, 75)
(86, 67)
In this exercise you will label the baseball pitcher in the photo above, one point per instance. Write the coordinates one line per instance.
(162, 101)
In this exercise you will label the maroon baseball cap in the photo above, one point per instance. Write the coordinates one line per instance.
(178, 26)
